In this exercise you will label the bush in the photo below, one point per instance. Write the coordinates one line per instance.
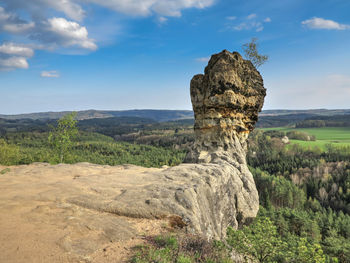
(181, 248)
(302, 136)
(9, 154)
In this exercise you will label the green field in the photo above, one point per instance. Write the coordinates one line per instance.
(339, 136)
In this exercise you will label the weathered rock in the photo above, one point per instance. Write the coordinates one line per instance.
(216, 190)
(226, 101)
(221, 192)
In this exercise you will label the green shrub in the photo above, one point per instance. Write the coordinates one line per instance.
(302, 136)
(181, 248)
(6, 170)
(9, 154)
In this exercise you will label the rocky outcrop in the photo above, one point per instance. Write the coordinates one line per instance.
(226, 101)
(215, 189)
(220, 190)
(88, 213)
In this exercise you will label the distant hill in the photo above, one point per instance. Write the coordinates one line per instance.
(267, 118)
(318, 112)
(280, 118)
(157, 115)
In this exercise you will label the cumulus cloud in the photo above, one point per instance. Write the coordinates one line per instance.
(69, 8)
(66, 30)
(148, 7)
(61, 32)
(73, 10)
(11, 23)
(50, 74)
(321, 23)
(14, 56)
(16, 50)
(13, 63)
(267, 20)
(38, 8)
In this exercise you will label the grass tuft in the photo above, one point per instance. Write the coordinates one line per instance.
(6, 170)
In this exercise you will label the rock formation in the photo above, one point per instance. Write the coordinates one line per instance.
(216, 189)
(226, 101)
(220, 191)
(87, 212)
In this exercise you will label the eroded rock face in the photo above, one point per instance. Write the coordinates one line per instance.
(221, 192)
(226, 101)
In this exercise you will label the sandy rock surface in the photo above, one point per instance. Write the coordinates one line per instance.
(39, 223)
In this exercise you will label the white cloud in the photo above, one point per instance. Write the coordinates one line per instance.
(149, 7)
(62, 32)
(16, 50)
(320, 23)
(257, 26)
(50, 74)
(250, 22)
(66, 30)
(73, 9)
(162, 19)
(203, 59)
(18, 28)
(39, 8)
(251, 16)
(69, 8)
(13, 63)
(11, 23)
(231, 18)
(13, 56)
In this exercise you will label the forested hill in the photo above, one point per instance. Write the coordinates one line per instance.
(157, 115)
(314, 112)
(170, 115)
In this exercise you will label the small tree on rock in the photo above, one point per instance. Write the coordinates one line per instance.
(251, 53)
(61, 136)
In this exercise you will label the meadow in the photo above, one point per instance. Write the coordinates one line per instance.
(337, 136)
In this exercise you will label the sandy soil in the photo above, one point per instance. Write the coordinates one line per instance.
(38, 223)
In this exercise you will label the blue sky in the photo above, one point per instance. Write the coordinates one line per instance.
(135, 54)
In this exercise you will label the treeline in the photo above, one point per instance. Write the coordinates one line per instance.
(282, 120)
(294, 135)
(175, 134)
(26, 148)
(325, 121)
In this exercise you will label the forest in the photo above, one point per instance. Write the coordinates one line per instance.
(304, 191)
